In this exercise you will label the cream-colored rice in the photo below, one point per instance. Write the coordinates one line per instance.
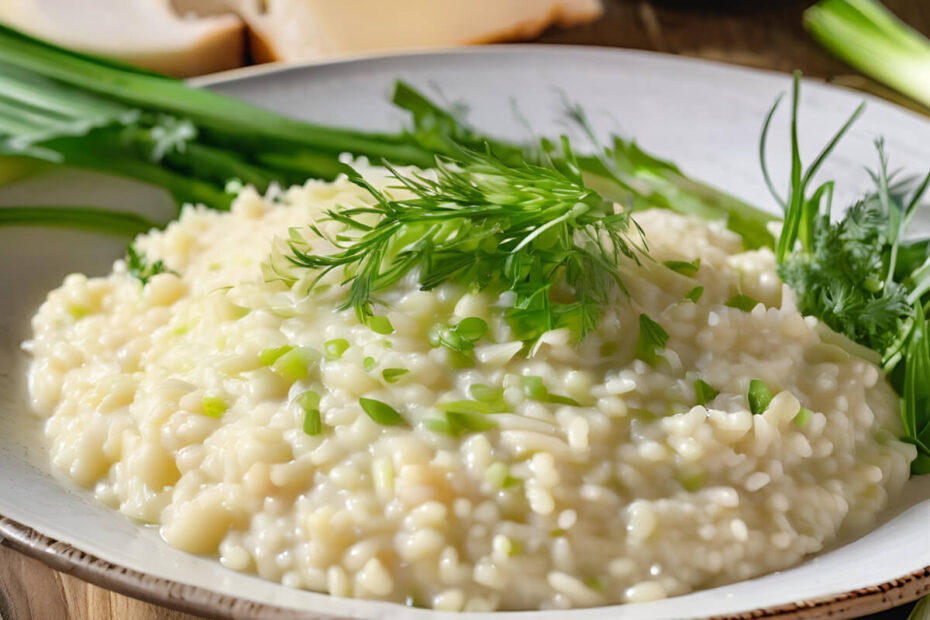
(636, 494)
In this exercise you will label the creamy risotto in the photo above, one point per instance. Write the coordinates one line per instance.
(248, 419)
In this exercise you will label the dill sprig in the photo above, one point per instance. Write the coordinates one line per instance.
(481, 222)
(140, 267)
(860, 273)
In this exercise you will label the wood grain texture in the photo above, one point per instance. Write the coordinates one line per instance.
(757, 33)
(31, 591)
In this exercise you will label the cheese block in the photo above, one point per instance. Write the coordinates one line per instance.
(308, 29)
(148, 33)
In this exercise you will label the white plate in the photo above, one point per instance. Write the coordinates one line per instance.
(704, 116)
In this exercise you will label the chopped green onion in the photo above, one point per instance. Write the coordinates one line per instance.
(760, 396)
(380, 412)
(685, 268)
(704, 392)
(460, 338)
(308, 400)
(652, 339)
(461, 422)
(391, 375)
(438, 425)
(498, 475)
(295, 364)
(535, 389)
(335, 348)
(486, 394)
(368, 363)
(313, 423)
(594, 583)
(803, 418)
(380, 325)
(869, 37)
(267, 357)
(691, 478)
(915, 393)
(695, 294)
(467, 406)
(213, 407)
(471, 328)
(742, 302)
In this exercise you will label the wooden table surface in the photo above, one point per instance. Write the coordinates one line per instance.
(756, 33)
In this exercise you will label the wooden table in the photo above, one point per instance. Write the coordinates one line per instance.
(756, 33)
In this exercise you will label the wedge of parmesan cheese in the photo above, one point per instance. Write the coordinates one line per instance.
(148, 33)
(308, 29)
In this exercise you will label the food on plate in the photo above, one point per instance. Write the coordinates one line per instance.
(148, 33)
(475, 375)
(310, 29)
(429, 453)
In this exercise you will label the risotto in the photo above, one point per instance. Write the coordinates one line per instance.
(249, 419)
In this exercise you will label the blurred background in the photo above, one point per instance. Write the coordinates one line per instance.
(193, 37)
(186, 38)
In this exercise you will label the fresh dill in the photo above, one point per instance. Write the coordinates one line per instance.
(535, 231)
(140, 267)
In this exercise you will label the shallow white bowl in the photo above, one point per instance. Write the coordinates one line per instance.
(704, 116)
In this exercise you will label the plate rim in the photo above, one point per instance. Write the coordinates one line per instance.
(202, 601)
(198, 600)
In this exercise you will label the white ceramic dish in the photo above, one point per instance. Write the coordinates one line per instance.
(705, 116)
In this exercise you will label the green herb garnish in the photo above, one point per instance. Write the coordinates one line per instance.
(380, 412)
(695, 294)
(140, 267)
(335, 348)
(742, 302)
(685, 268)
(458, 420)
(803, 418)
(704, 392)
(313, 423)
(535, 389)
(380, 325)
(493, 396)
(484, 223)
(915, 392)
(759, 396)
(652, 339)
(461, 337)
(498, 475)
(368, 363)
(860, 274)
(213, 406)
(872, 39)
(392, 375)
(267, 357)
(294, 365)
